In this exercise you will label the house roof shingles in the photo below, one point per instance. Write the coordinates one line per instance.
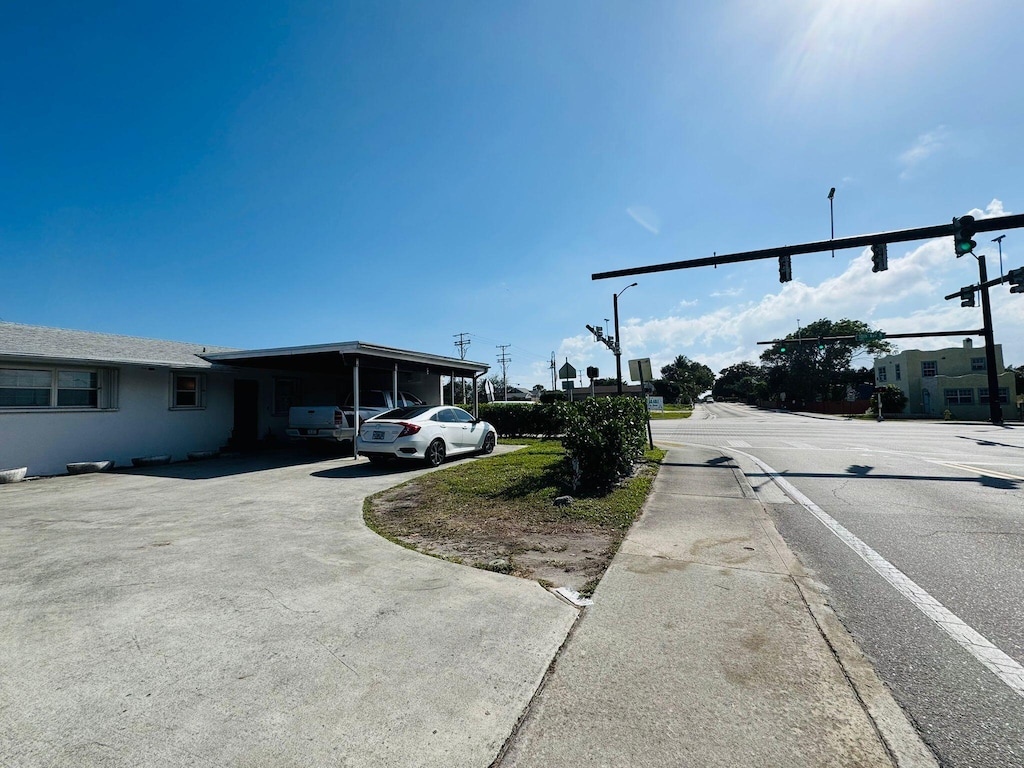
(41, 343)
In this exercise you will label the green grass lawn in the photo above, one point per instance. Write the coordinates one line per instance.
(501, 508)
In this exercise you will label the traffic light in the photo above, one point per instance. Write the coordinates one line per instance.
(592, 372)
(967, 296)
(1016, 277)
(963, 230)
(879, 257)
(782, 348)
(821, 343)
(785, 269)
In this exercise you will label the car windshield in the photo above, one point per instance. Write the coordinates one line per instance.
(405, 413)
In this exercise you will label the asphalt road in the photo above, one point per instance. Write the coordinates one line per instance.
(917, 530)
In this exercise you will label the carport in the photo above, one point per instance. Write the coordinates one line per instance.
(370, 366)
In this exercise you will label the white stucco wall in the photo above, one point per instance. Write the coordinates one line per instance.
(143, 425)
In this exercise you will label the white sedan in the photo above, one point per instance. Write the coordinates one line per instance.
(427, 432)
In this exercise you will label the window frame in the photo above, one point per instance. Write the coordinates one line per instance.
(102, 382)
(881, 374)
(898, 377)
(978, 364)
(288, 400)
(934, 367)
(1004, 395)
(175, 389)
(958, 397)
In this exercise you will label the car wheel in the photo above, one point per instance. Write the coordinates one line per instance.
(378, 460)
(435, 453)
(488, 443)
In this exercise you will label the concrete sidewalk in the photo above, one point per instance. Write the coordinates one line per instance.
(707, 646)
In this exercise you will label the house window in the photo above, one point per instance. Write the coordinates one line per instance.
(1004, 395)
(79, 389)
(188, 390)
(977, 363)
(958, 396)
(286, 394)
(20, 388)
(55, 388)
(897, 371)
(929, 368)
(881, 374)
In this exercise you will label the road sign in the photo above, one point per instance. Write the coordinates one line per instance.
(655, 403)
(568, 385)
(566, 371)
(875, 336)
(640, 370)
(851, 394)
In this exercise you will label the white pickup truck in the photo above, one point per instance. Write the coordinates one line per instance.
(329, 422)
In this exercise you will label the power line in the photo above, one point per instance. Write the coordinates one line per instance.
(462, 344)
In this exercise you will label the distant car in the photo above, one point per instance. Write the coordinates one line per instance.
(428, 433)
(709, 399)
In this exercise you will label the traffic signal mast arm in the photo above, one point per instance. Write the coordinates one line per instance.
(1015, 276)
(602, 338)
(859, 241)
(878, 337)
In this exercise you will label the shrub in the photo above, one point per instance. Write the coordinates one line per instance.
(604, 438)
(523, 420)
(553, 396)
(894, 400)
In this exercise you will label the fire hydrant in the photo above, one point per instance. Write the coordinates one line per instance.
(947, 415)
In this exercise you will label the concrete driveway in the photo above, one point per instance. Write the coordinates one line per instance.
(238, 612)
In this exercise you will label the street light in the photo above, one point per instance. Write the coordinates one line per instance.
(618, 344)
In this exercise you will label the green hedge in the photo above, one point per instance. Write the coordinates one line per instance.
(603, 439)
(526, 420)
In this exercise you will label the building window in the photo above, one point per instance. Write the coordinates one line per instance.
(929, 368)
(286, 394)
(188, 390)
(78, 389)
(1004, 395)
(977, 363)
(897, 371)
(54, 388)
(880, 374)
(958, 396)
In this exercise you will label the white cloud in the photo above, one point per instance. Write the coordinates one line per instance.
(727, 292)
(995, 208)
(645, 217)
(926, 145)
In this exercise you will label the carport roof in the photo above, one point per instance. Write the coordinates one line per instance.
(328, 356)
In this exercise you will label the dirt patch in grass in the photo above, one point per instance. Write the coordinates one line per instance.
(499, 514)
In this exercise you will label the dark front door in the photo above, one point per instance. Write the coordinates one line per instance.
(247, 401)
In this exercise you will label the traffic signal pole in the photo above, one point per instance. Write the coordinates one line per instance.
(994, 409)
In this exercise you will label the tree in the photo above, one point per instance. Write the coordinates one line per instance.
(894, 400)
(738, 381)
(691, 377)
(806, 369)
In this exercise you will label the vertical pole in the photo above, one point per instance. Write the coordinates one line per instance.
(995, 412)
(394, 386)
(643, 394)
(618, 347)
(355, 408)
(476, 398)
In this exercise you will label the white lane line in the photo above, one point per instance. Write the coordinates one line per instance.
(1001, 665)
(739, 443)
(801, 446)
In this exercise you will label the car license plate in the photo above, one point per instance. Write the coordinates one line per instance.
(378, 435)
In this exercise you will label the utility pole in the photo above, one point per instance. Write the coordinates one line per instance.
(618, 343)
(504, 359)
(553, 384)
(462, 343)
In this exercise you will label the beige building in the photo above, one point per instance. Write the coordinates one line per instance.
(953, 379)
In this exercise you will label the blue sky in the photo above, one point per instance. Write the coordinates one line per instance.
(266, 174)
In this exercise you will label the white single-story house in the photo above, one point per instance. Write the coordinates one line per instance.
(76, 396)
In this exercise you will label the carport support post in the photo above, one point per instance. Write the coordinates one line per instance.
(394, 386)
(355, 405)
(476, 398)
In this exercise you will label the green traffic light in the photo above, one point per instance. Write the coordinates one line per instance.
(782, 349)
(965, 246)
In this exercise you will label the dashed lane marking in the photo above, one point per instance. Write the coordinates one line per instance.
(1002, 666)
(978, 470)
